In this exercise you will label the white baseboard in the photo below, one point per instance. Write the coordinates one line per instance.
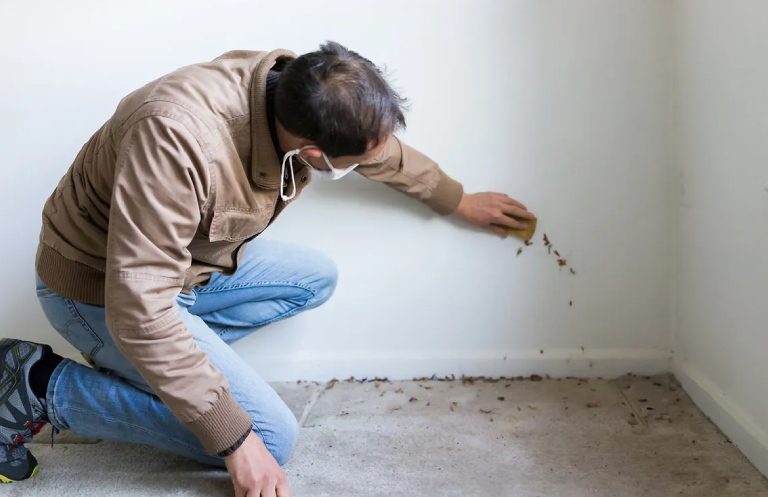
(737, 424)
(588, 363)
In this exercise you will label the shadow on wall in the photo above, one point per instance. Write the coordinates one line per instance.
(357, 191)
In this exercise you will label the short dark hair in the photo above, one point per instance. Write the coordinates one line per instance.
(338, 99)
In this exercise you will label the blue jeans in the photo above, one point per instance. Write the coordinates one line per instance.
(111, 401)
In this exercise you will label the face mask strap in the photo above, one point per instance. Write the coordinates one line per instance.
(288, 157)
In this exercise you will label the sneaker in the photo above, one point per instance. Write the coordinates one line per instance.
(22, 413)
(16, 464)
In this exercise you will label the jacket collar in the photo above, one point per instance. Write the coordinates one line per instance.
(265, 164)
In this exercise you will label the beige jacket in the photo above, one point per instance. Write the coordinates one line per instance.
(166, 192)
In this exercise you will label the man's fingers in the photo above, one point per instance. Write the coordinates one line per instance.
(283, 490)
(510, 222)
(499, 231)
(509, 200)
(517, 212)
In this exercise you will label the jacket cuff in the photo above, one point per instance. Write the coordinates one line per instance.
(446, 195)
(221, 426)
(237, 445)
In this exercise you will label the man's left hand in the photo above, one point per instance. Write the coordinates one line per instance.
(491, 210)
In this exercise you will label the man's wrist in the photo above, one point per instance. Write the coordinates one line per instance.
(459, 211)
(236, 445)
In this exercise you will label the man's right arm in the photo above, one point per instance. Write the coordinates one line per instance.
(159, 186)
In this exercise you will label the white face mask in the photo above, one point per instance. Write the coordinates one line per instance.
(332, 173)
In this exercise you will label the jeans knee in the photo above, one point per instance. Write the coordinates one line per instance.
(326, 278)
(282, 438)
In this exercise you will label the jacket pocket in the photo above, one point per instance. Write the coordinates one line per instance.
(235, 224)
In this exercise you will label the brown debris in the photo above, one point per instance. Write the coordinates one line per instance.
(362, 380)
(561, 261)
(446, 378)
(331, 383)
(472, 379)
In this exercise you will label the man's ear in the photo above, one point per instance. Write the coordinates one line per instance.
(311, 152)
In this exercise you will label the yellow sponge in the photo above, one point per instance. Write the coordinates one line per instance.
(524, 234)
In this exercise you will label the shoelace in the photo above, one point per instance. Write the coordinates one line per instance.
(34, 429)
(53, 430)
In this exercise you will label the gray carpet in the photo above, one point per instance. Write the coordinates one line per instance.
(629, 437)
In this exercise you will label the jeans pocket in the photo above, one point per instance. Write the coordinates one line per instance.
(64, 317)
(79, 333)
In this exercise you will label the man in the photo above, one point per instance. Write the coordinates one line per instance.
(148, 261)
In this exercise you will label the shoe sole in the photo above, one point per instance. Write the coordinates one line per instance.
(5, 479)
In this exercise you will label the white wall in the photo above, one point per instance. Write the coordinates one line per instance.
(560, 104)
(721, 125)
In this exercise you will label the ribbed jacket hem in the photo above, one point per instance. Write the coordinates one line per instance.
(71, 279)
(222, 425)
